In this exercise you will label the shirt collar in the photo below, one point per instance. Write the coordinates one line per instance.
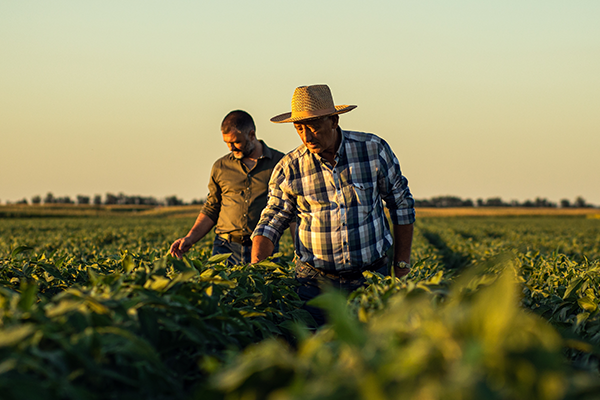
(341, 150)
(267, 152)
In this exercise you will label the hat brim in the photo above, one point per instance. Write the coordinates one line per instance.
(287, 117)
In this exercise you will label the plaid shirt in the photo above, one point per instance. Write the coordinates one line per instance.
(339, 210)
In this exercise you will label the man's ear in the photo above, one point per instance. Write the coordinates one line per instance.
(252, 135)
(335, 119)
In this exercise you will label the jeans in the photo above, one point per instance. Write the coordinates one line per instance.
(240, 254)
(311, 282)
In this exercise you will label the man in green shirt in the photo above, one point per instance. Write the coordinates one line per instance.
(237, 192)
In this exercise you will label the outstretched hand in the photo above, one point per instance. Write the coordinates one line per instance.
(180, 247)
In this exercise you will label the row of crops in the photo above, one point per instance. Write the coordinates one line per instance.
(495, 308)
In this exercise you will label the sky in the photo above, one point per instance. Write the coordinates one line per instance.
(477, 99)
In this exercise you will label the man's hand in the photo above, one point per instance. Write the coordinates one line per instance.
(181, 246)
(201, 227)
(262, 248)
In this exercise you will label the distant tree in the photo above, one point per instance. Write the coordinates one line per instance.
(438, 201)
(22, 201)
(468, 203)
(580, 202)
(480, 203)
(565, 203)
(110, 199)
(544, 203)
(418, 203)
(64, 200)
(528, 203)
(201, 201)
(49, 199)
(97, 200)
(450, 201)
(173, 201)
(495, 202)
(36, 199)
(83, 199)
(149, 201)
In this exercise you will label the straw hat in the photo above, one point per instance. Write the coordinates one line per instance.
(309, 102)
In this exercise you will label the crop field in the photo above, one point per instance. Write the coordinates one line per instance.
(496, 307)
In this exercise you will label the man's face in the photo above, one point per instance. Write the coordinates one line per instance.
(318, 135)
(240, 144)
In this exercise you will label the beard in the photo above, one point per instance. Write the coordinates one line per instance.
(245, 152)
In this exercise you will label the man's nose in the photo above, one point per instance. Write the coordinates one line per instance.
(308, 136)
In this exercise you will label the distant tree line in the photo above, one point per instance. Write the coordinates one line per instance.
(454, 201)
(438, 201)
(109, 199)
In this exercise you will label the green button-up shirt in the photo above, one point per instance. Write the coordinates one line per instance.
(237, 195)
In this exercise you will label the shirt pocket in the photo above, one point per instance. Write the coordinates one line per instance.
(361, 202)
(363, 193)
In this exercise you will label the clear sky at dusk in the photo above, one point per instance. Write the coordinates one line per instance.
(477, 99)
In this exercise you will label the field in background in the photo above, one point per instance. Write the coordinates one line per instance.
(71, 210)
(91, 307)
(507, 212)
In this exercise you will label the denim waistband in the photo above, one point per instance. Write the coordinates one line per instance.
(351, 274)
(244, 240)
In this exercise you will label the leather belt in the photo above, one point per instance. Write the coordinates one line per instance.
(244, 240)
(352, 274)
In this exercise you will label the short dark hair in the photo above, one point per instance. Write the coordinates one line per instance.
(238, 120)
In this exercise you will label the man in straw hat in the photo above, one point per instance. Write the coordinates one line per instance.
(335, 185)
(237, 191)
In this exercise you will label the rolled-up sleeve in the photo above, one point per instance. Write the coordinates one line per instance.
(212, 207)
(280, 209)
(394, 188)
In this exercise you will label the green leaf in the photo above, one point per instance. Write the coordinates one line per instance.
(20, 250)
(63, 307)
(218, 258)
(8, 365)
(131, 343)
(52, 271)
(581, 318)
(573, 285)
(247, 314)
(92, 275)
(346, 327)
(15, 334)
(267, 264)
(157, 283)
(28, 296)
(127, 263)
(436, 279)
(587, 304)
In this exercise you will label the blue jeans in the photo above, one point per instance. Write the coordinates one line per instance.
(240, 254)
(311, 282)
